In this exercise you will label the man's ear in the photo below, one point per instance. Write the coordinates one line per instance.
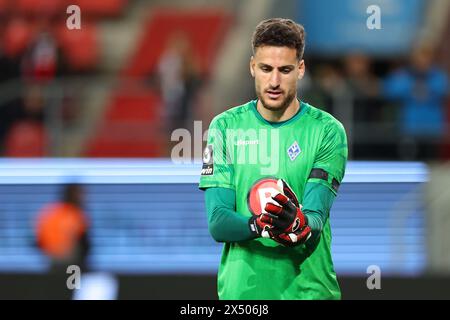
(301, 69)
(252, 66)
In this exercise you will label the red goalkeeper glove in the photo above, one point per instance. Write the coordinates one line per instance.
(261, 225)
(290, 225)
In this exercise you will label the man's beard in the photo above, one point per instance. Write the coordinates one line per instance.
(283, 106)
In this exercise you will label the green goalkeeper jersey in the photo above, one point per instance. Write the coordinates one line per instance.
(243, 148)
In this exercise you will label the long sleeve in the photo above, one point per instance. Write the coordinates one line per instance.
(317, 202)
(224, 223)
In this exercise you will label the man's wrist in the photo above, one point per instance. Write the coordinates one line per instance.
(252, 226)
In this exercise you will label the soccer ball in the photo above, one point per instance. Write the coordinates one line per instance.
(261, 193)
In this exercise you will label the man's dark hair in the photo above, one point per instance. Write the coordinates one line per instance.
(279, 32)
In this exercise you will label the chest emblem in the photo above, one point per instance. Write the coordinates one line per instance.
(293, 151)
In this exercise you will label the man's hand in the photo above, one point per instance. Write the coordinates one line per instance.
(261, 225)
(292, 239)
(290, 225)
(289, 217)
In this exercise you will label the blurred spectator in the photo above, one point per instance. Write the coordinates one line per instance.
(421, 90)
(43, 60)
(310, 91)
(330, 84)
(363, 86)
(61, 230)
(179, 79)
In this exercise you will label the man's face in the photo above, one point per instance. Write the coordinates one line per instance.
(276, 71)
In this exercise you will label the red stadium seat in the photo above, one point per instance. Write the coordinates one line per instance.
(102, 8)
(80, 47)
(132, 125)
(5, 5)
(41, 7)
(135, 140)
(130, 128)
(26, 139)
(18, 35)
(203, 28)
(137, 104)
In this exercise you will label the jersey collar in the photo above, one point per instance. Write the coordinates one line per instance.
(300, 112)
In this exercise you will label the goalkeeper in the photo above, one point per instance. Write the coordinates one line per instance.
(271, 171)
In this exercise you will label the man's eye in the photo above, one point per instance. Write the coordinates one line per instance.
(265, 69)
(286, 71)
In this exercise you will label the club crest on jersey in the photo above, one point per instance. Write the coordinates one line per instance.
(293, 151)
(208, 164)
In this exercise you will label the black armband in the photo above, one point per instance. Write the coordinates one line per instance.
(322, 174)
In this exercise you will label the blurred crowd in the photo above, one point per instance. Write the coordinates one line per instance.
(392, 110)
(28, 70)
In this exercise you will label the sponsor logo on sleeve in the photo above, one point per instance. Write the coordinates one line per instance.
(208, 163)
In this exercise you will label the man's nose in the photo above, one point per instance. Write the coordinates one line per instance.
(275, 79)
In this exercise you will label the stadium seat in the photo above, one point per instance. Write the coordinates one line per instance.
(80, 47)
(132, 141)
(132, 125)
(133, 104)
(18, 34)
(103, 8)
(5, 5)
(203, 28)
(130, 128)
(40, 7)
(26, 139)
